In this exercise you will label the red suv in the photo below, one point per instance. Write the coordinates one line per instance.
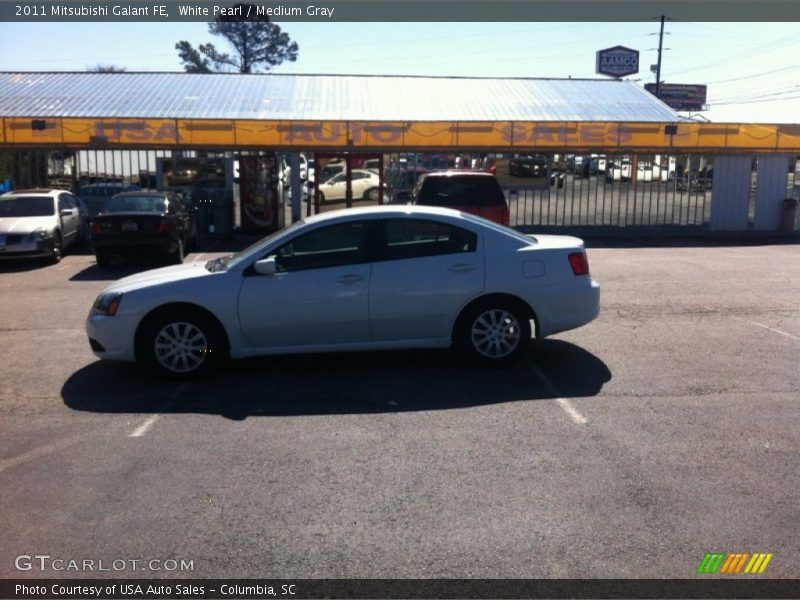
(476, 193)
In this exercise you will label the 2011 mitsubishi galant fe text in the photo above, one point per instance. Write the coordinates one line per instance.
(376, 278)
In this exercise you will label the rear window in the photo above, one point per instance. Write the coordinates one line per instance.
(136, 204)
(106, 189)
(454, 191)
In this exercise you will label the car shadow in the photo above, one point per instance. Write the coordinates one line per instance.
(117, 270)
(348, 383)
(20, 265)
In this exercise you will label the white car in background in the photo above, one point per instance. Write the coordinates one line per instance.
(373, 278)
(43, 222)
(306, 169)
(365, 185)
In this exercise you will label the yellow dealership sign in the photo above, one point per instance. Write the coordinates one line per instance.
(395, 135)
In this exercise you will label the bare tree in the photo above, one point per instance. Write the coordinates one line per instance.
(101, 68)
(258, 44)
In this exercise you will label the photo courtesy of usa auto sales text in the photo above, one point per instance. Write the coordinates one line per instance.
(61, 590)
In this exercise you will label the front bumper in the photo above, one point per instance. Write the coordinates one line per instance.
(27, 248)
(112, 338)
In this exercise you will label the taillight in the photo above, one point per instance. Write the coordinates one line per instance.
(96, 229)
(579, 263)
(164, 227)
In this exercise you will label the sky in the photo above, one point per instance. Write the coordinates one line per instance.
(752, 69)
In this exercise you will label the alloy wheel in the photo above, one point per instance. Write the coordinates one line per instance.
(495, 333)
(181, 347)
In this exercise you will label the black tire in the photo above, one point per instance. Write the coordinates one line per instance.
(178, 256)
(368, 194)
(58, 248)
(103, 259)
(182, 344)
(321, 197)
(493, 331)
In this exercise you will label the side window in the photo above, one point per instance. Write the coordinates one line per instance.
(333, 246)
(414, 238)
(65, 201)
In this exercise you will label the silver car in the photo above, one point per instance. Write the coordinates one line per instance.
(37, 223)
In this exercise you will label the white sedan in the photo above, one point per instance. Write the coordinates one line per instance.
(365, 185)
(375, 278)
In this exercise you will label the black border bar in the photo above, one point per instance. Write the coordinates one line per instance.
(410, 10)
(534, 589)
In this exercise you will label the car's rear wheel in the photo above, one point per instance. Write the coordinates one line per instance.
(182, 344)
(371, 194)
(178, 256)
(495, 331)
(103, 259)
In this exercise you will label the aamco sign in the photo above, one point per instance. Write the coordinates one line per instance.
(618, 61)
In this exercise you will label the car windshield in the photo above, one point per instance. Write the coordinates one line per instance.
(231, 260)
(30, 206)
(136, 204)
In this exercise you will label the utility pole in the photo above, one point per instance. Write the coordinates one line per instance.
(658, 64)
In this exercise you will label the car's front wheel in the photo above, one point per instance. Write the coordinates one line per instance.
(58, 248)
(494, 331)
(182, 344)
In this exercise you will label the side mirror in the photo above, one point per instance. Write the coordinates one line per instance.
(266, 266)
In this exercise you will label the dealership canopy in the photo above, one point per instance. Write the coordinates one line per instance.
(343, 112)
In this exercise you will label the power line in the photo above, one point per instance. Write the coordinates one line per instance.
(756, 51)
(757, 75)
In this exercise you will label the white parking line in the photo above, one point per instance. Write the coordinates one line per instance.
(577, 417)
(773, 330)
(142, 429)
(145, 427)
(39, 452)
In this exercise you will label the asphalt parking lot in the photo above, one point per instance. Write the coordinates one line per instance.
(665, 429)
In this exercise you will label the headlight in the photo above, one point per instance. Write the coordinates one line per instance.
(40, 234)
(107, 304)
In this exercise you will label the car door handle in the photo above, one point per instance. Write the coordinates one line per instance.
(462, 268)
(350, 278)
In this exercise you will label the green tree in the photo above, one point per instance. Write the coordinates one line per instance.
(259, 45)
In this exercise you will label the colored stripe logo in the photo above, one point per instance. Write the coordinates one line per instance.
(734, 563)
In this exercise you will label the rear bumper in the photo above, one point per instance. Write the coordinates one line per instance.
(149, 246)
(564, 306)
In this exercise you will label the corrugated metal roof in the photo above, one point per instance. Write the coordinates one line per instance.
(325, 98)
